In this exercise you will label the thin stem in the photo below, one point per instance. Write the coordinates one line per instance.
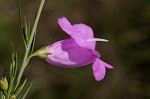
(10, 88)
(25, 59)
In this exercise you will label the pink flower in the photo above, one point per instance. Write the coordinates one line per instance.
(79, 50)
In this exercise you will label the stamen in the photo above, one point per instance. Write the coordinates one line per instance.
(97, 39)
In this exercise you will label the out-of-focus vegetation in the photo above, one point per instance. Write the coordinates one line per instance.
(126, 23)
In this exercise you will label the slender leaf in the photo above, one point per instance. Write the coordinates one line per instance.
(11, 86)
(32, 45)
(29, 29)
(26, 91)
(13, 71)
(26, 32)
(24, 29)
(13, 65)
(20, 14)
(24, 36)
(20, 88)
(16, 65)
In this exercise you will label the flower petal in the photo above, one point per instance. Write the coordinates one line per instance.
(99, 69)
(85, 30)
(107, 65)
(67, 53)
(66, 25)
(86, 33)
(79, 32)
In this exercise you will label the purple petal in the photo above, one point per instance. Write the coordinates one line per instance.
(65, 25)
(67, 53)
(98, 69)
(86, 32)
(78, 33)
(107, 65)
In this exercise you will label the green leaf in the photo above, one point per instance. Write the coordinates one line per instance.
(26, 32)
(26, 91)
(13, 65)
(24, 36)
(11, 86)
(32, 45)
(12, 72)
(20, 88)
(24, 29)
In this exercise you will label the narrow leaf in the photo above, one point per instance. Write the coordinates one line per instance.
(13, 71)
(26, 32)
(11, 86)
(22, 30)
(29, 29)
(27, 90)
(20, 88)
(20, 15)
(32, 45)
(24, 36)
(13, 65)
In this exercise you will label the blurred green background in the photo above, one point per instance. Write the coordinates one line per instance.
(125, 23)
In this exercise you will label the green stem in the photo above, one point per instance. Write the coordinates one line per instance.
(25, 59)
(10, 88)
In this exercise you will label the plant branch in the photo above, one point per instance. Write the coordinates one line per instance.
(25, 59)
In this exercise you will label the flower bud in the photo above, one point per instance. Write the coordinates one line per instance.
(4, 84)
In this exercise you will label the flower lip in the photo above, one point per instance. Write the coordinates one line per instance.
(79, 32)
(82, 33)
